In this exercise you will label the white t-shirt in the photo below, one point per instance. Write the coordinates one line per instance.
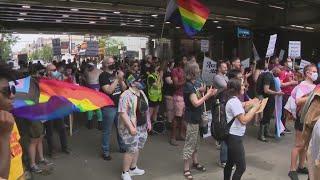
(234, 108)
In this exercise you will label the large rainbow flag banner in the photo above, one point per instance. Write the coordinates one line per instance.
(57, 99)
(191, 15)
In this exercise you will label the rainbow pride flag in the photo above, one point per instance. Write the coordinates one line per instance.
(191, 15)
(57, 99)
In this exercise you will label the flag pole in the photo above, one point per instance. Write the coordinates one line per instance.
(164, 19)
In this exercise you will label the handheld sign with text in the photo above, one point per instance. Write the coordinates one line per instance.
(255, 53)
(204, 45)
(246, 63)
(304, 63)
(271, 45)
(294, 49)
(208, 70)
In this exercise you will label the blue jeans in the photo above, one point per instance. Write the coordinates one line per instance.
(110, 117)
(223, 152)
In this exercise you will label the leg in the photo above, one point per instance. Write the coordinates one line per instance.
(134, 160)
(108, 118)
(90, 117)
(295, 151)
(40, 148)
(121, 144)
(62, 134)
(151, 111)
(230, 161)
(240, 161)
(154, 116)
(223, 152)
(127, 161)
(49, 136)
(33, 150)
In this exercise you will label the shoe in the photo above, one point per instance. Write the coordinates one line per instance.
(126, 176)
(282, 134)
(66, 151)
(303, 170)
(287, 131)
(293, 175)
(222, 164)
(136, 172)
(122, 151)
(106, 157)
(261, 136)
(173, 142)
(35, 169)
(45, 162)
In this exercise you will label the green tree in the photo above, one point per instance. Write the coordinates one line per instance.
(110, 44)
(44, 53)
(7, 40)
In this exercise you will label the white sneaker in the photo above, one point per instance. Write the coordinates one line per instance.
(126, 176)
(136, 172)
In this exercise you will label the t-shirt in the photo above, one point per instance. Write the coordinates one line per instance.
(168, 89)
(106, 78)
(287, 76)
(303, 89)
(220, 81)
(16, 168)
(192, 114)
(265, 78)
(234, 108)
(179, 73)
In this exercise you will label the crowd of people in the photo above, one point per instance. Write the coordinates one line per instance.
(139, 90)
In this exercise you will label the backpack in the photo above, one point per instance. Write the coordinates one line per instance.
(142, 110)
(219, 126)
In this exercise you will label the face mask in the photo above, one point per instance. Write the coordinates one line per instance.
(314, 76)
(55, 74)
(290, 65)
(140, 85)
(112, 67)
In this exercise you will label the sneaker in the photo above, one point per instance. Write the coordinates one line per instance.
(293, 175)
(136, 172)
(106, 157)
(287, 131)
(303, 170)
(45, 162)
(35, 169)
(173, 142)
(222, 164)
(126, 176)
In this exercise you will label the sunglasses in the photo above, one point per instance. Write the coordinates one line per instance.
(7, 91)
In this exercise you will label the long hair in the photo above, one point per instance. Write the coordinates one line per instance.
(6, 72)
(233, 88)
(192, 71)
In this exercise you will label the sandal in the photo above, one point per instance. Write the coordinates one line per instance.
(187, 174)
(199, 167)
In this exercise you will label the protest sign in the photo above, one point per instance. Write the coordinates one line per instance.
(304, 63)
(271, 45)
(294, 49)
(208, 70)
(246, 63)
(204, 45)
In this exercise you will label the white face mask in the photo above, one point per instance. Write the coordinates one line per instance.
(290, 65)
(314, 76)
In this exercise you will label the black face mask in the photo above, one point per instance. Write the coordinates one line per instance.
(112, 67)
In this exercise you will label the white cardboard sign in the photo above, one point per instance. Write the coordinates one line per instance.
(271, 45)
(204, 45)
(208, 70)
(304, 63)
(246, 63)
(294, 49)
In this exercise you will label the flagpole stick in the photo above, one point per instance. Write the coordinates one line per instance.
(294, 64)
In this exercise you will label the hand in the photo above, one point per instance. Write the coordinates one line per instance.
(6, 123)
(133, 131)
(247, 75)
(280, 93)
(256, 106)
(211, 92)
(120, 75)
(202, 89)
(149, 127)
(251, 102)
(294, 82)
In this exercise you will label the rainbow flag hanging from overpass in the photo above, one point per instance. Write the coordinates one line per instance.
(191, 15)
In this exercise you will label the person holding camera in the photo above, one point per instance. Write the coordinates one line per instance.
(111, 83)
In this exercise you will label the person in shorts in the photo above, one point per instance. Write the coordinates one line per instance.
(134, 124)
(179, 79)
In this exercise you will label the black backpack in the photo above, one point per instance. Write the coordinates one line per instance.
(219, 126)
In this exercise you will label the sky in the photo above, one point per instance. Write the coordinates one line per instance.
(27, 39)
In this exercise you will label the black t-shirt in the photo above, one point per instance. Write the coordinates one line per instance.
(192, 114)
(168, 89)
(106, 78)
(265, 78)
